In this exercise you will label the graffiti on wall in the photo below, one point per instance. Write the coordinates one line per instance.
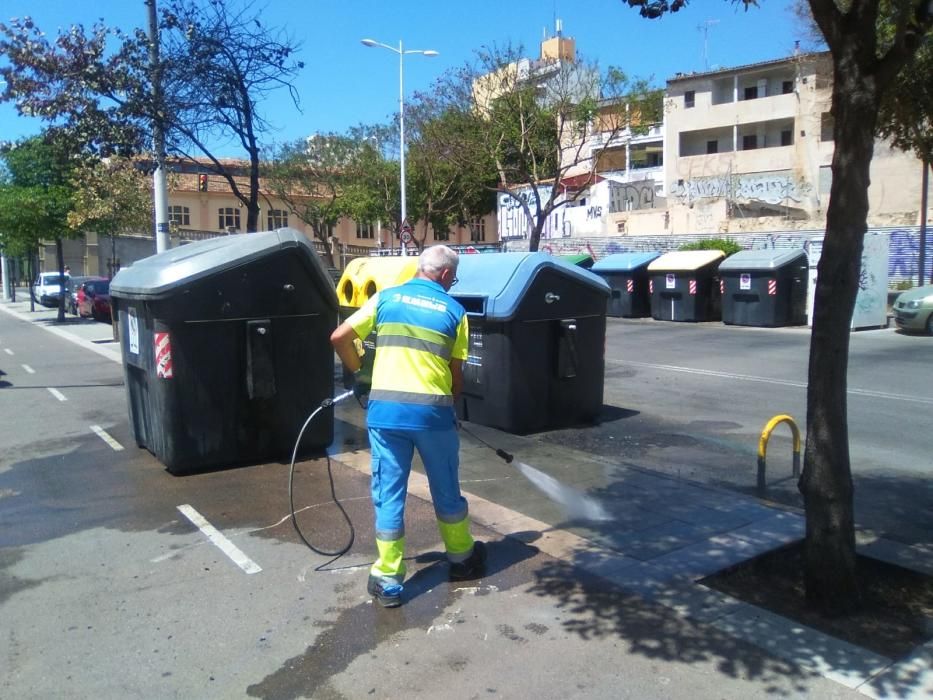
(905, 255)
(631, 196)
(770, 188)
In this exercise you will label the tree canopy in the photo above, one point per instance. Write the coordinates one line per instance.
(218, 62)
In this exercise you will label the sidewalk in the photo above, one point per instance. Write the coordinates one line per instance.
(664, 534)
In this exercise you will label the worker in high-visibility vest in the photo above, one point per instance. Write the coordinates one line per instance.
(421, 343)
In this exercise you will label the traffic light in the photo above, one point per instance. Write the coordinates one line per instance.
(202, 183)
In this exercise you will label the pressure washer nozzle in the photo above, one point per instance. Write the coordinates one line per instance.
(505, 456)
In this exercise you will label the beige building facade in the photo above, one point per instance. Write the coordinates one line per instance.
(750, 149)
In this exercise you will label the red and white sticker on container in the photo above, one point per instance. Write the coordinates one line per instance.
(629, 286)
(692, 284)
(163, 355)
(772, 288)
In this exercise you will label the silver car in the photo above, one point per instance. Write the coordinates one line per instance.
(913, 310)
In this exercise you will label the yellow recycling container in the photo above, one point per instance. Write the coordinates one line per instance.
(360, 281)
(363, 277)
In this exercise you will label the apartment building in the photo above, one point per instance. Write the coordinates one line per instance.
(199, 201)
(750, 148)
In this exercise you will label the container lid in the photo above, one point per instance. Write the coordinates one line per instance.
(685, 260)
(159, 275)
(504, 278)
(763, 259)
(624, 262)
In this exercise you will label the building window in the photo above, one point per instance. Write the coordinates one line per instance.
(827, 125)
(179, 215)
(749, 142)
(277, 218)
(689, 99)
(478, 229)
(228, 218)
(712, 146)
(787, 87)
(751, 92)
(787, 137)
(441, 235)
(365, 230)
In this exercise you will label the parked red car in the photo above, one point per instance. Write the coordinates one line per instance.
(93, 298)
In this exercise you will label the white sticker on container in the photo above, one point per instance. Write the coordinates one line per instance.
(132, 327)
(745, 281)
(670, 280)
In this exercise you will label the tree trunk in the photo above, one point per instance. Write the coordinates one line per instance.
(826, 483)
(534, 239)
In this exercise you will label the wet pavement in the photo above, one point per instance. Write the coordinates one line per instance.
(106, 590)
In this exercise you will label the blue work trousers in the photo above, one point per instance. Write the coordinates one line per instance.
(392, 452)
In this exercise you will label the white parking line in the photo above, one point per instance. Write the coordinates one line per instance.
(57, 394)
(8, 351)
(105, 436)
(29, 369)
(221, 542)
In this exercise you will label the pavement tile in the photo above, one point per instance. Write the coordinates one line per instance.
(653, 542)
(914, 557)
(830, 657)
(707, 557)
(779, 529)
(909, 679)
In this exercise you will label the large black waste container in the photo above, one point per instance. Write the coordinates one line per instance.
(764, 288)
(684, 285)
(537, 337)
(627, 276)
(226, 348)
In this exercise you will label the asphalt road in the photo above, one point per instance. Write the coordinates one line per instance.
(692, 400)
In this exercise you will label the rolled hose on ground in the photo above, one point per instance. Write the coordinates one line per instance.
(326, 403)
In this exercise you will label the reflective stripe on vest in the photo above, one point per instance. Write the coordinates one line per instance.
(411, 397)
(401, 341)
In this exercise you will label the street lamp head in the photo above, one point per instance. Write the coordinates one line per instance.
(369, 42)
(430, 52)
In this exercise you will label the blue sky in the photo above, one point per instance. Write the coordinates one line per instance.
(345, 83)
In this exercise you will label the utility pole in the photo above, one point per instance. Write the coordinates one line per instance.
(159, 187)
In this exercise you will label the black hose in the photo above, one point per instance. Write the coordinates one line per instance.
(327, 403)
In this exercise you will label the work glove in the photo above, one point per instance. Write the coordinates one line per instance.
(361, 387)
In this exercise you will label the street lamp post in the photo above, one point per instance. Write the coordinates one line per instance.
(401, 51)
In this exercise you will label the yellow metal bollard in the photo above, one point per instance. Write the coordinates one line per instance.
(763, 446)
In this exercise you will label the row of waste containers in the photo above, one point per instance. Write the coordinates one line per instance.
(750, 288)
(226, 349)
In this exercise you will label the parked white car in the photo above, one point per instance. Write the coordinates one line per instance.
(47, 288)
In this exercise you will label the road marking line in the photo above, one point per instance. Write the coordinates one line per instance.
(29, 369)
(57, 394)
(105, 436)
(221, 542)
(8, 351)
(766, 380)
